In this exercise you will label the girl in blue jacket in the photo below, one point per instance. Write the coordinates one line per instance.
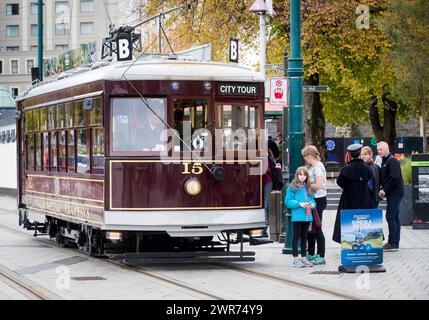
(300, 199)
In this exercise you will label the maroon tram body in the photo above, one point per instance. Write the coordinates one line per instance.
(84, 177)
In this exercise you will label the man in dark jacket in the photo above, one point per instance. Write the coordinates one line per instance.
(392, 187)
(353, 179)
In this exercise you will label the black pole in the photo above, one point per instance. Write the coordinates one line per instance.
(40, 38)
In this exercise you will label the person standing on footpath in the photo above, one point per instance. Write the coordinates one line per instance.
(317, 173)
(374, 184)
(393, 189)
(299, 198)
(353, 179)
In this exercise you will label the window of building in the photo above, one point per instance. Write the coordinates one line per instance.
(61, 47)
(30, 152)
(70, 151)
(12, 48)
(33, 48)
(34, 8)
(14, 92)
(12, 31)
(134, 127)
(53, 156)
(14, 66)
(12, 9)
(97, 161)
(83, 151)
(30, 64)
(86, 27)
(61, 7)
(62, 29)
(33, 30)
(86, 5)
(1, 66)
(62, 151)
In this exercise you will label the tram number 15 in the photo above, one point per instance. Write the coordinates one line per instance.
(196, 168)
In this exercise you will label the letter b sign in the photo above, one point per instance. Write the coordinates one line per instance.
(124, 47)
(233, 50)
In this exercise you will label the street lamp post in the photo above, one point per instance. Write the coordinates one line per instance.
(295, 72)
(259, 7)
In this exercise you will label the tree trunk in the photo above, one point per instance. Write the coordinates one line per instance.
(387, 131)
(314, 119)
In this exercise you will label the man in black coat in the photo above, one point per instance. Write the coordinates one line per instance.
(353, 179)
(393, 189)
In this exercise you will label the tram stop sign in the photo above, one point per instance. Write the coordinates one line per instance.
(278, 91)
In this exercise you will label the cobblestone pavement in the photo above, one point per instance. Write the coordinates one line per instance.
(407, 275)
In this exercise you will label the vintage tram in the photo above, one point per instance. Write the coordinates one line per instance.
(97, 168)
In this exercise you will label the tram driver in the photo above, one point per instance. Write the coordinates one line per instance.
(148, 131)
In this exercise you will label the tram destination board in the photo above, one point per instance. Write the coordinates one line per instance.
(238, 89)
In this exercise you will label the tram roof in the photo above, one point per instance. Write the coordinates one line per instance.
(154, 69)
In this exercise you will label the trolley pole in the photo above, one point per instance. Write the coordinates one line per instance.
(295, 72)
(40, 38)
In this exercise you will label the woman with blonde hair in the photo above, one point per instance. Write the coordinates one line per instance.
(317, 173)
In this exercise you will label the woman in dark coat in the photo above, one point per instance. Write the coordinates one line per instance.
(353, 179)
(374, 184)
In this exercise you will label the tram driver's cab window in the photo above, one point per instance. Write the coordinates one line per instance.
(239, 124)
(137, 127)
(190, 122)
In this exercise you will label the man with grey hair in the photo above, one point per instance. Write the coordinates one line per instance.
(393, 189)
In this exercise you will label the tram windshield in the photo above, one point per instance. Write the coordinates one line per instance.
(135, 127)
(239, 123)
(190, 121)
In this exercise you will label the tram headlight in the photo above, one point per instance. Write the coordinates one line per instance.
(192, 187)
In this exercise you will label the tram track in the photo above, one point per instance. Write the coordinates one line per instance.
(192, 291)
(206, 294)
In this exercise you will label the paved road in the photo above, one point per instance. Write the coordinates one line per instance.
(43, 265)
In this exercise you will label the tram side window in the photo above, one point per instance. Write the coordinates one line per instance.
(70, 151)
(82, 151)
(43, 118)
(235, 120)
(30, 152)
(38, 147)
(189, 116)
(53, 157)
(51, 117)
(60, 116)
(135, 127)
(45, 147)
(36, 119)
(93, 116)
(62, 151)
(29, 120)
(78, 113)
(69, 114)
(97, 161)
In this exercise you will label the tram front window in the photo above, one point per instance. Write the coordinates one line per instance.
(135, 127)
(190, 115)
(239, 123)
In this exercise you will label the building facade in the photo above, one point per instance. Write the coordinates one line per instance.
(66, 25)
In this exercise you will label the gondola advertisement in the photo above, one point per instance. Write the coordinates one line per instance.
(361, 237)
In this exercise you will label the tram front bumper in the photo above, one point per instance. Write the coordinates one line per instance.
(195, 223)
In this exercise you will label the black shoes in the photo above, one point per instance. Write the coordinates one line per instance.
(389, 247)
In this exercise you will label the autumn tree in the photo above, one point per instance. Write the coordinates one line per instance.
(408, 27)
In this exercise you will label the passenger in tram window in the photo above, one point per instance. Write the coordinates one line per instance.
(148, 132)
